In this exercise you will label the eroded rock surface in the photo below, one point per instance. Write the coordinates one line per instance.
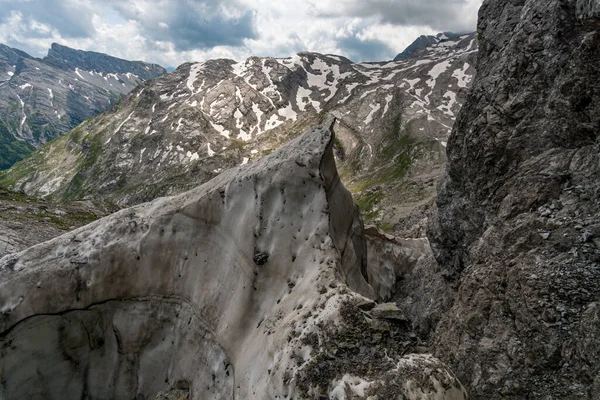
(167, 298)
(518, 213)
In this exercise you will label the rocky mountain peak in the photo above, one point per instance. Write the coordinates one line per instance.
(10, 56)
(425, 41)
(70, 59)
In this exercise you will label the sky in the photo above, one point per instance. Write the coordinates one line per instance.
(171, 32)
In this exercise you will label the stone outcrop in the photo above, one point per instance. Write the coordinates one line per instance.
(390, 257)
(517, 226)
(248, 286)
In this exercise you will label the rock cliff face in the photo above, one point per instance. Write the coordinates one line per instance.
(41, 99)
(176, 132)
(517, 229)
(253, 285)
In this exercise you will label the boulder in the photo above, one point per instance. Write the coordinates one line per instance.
(171, 296)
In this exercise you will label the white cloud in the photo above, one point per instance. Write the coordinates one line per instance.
(170, 32)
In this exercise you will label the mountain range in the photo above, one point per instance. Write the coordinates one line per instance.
(170, 134)
(41, 99)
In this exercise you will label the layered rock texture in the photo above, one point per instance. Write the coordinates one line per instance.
(518, 224)
(181, 130)
(253, 285)
(41, 99)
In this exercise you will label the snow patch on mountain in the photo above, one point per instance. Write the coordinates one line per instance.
(374, 109)
(462, 77)
(194, 71)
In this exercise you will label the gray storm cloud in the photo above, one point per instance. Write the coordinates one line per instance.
(369, 49)
(73, 19)
(170, 32)
(446, 15)
(192, 24)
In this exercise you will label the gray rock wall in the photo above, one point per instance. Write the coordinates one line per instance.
(516, 232)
